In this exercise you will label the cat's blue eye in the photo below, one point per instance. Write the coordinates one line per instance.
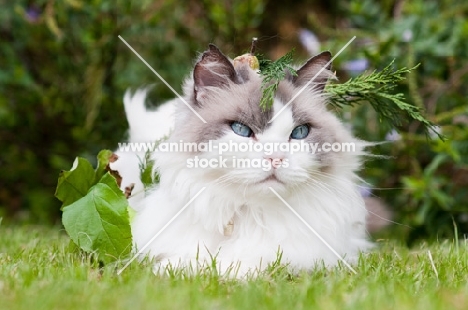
(241, 129)
(300, 132)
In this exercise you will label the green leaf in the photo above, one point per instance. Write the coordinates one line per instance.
(103, 160)
(99, 222)
(95, 211)
(74, 184)
(131, 213)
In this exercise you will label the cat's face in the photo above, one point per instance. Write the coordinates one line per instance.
(249, 148)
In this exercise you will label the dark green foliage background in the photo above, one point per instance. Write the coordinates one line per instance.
(63, 74)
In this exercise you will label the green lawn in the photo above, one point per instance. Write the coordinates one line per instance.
(38, 271)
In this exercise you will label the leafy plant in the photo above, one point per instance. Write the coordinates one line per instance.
(376, 88)
(95, 211)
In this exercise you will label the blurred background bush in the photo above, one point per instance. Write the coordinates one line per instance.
(63, 73)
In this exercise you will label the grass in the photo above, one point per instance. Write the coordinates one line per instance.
(39, 271)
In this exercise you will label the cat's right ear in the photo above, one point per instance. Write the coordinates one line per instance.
(213, 69)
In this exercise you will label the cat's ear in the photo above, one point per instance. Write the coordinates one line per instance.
(213, 69)
(312, 68)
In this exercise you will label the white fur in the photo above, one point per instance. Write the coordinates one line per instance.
(144, 127)
(263, 225)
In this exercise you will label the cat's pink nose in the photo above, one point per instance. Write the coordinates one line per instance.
(276, 159)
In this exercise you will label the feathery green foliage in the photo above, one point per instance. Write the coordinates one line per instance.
(146, 171)
(378, 89)
(274, 72)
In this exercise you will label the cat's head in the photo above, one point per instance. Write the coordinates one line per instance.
(228, 98)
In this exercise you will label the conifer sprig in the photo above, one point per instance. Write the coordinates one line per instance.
(378, 89)
(273, 72)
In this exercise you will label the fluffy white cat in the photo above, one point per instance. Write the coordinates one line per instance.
(236, 217)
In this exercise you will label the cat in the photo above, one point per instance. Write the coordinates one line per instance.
(237, 217)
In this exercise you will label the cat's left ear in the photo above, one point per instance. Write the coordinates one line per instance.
(312, 68)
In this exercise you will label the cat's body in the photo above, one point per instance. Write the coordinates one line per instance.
(236, 216)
